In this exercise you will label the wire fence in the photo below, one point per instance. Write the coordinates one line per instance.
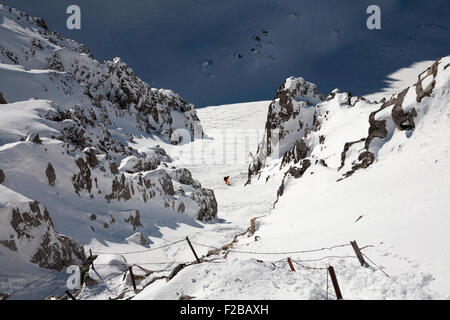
(278, 253)
(144, 250)
(31, 283)
(299, 262)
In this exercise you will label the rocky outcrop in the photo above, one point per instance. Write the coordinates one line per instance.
(120, 189)
(31, 232)
(207, 204)
(54, 63)
(113, 168)
(184, 176)
(10, 244)
(290, 117)
(59, 254)
(34, 138)
(51, 175)
(107, 93)
(82, 180)
(401, 117)
(307, 134)
(108, 98)
(138, 238)
(131, 91)
(134, 220)
(286, 106)
(91, 159)
(296, 153)
(166, 183)
(347, 146)
(85, 119)
(294, 171)
(431, 71)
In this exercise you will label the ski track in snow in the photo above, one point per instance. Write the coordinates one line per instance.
(237, 204)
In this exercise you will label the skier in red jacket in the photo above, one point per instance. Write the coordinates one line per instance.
(227, 180)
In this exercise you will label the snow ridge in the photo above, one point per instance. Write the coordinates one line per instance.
(310, 129)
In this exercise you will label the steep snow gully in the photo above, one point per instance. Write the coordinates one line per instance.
(243, 257)
(115, 190)
(252, 267)
(255, 264)
(232, 131)
(399, 224)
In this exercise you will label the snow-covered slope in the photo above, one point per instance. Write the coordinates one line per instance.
(344, 133)
(398, 206)
(67, 125)
(99, 150)
(395, 207)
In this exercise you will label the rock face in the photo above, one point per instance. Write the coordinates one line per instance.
(289, 118)
(397, 113)
(74, 140)
(340, 132)
(294, 171)
(184, 176)
(296, 153)
(28, 228)
(134, 220)
(108, 91)
(34, 138)
(50, 173)
(207, 203)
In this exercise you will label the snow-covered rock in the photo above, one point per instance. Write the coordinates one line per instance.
(138, 238)
(67, 72)
(339, 132)
(290, 117)
(149, 160)
(399, 114)
(378, 173)
(27, 229)
(67, 130)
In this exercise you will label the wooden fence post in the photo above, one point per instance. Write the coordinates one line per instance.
(91, 258)
(358, 253)
(130, 269)
(70, 295)
(290, 264)
(252, 227)
(335, 283)
(192, 248)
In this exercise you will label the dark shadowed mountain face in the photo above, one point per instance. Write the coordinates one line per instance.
(215, 52)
